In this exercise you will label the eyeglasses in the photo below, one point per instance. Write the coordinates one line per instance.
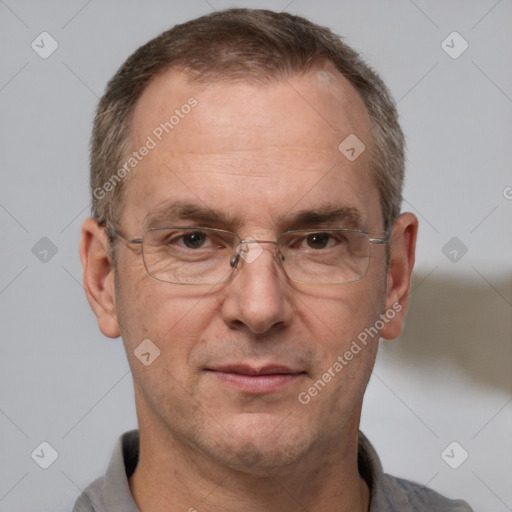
(208, 256)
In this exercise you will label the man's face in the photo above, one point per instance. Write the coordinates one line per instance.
(255, 156)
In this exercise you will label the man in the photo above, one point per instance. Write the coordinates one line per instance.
(246, 243)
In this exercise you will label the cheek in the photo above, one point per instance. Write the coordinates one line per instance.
(338, 314)
(342, 329)
(172, 317)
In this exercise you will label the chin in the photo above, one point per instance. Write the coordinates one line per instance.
(263, 443)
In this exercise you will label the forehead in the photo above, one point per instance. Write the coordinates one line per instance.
(261, 148)
(325, 101)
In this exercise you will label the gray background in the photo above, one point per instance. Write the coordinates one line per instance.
(448, 378)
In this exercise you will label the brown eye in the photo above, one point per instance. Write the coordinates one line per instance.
(194, 240)
(318, 240)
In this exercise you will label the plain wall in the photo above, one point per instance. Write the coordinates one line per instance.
(447, 378)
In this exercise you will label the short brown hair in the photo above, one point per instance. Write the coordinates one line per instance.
(240, 44)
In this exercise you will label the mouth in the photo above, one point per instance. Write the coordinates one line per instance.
(257, 380)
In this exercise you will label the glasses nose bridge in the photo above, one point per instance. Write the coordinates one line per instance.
(239, 251)
(254, 241)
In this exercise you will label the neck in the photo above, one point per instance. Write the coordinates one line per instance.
(173, 476)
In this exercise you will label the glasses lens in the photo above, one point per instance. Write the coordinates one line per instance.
(189, 255)
(185, 255)
(325, 257)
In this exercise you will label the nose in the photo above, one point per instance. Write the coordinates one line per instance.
(258, 295)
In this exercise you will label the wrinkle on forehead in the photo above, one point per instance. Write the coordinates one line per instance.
(256, 162)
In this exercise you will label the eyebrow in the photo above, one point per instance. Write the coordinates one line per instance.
(325, 215)
(180, 210)
(348, 216)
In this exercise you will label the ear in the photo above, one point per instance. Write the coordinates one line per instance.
(402, 249)
(98, 275)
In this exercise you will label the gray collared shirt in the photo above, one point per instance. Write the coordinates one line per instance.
(111, 493)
